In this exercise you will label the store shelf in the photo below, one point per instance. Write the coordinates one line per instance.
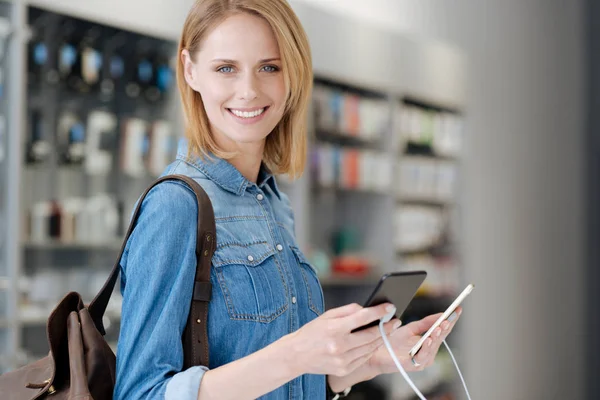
(430, 249)
(346, 139)
(344, 190)
(426, 201)
(439, 249)
(416, 101)
(425, 151)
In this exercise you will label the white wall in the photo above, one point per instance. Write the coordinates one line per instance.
(524, 215)
(160, 18)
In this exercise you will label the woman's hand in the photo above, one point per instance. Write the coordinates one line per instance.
(404, 338)
(326, 345)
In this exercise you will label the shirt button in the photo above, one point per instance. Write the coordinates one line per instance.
(294, 300)
(259, 197)
(279, 247)
(250, 258)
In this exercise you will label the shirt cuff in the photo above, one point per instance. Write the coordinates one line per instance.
(186, 384)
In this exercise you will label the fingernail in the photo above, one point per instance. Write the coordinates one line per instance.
(429, 341)
(390, 308)
(446, 326)
(438, 332)
(452, 316)
(397, 325)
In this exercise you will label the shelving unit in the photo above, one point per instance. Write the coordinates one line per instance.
(345, 204)
(97, 132)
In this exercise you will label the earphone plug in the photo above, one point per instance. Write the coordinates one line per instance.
(388, 317)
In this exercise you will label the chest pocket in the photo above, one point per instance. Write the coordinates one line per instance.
(251, 281)
(311, 281)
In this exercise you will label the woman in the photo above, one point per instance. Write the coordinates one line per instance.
(245, 79)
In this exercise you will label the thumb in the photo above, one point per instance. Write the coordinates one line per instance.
(343, 311)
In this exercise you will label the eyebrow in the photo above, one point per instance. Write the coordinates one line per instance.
(227, 61)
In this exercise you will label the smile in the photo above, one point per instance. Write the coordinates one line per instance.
(247, 114)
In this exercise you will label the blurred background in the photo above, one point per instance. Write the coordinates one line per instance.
(458, 137)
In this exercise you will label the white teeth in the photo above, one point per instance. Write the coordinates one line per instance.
(246, 114)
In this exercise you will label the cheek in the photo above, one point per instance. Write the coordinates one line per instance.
(212, 98)
(279, 95)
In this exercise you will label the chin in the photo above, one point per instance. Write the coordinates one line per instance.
(248, 139)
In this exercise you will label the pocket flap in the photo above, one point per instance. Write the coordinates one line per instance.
(250, 254)
(301, 258)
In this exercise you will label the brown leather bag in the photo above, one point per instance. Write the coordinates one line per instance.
(80, 364)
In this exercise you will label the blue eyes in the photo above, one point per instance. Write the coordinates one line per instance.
(227, 69)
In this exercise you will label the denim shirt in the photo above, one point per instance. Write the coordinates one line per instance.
(263, 288)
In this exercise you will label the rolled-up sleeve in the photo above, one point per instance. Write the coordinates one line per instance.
(185, 385)
(158, 270)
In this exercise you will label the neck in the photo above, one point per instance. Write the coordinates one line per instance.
(249, 155)
(248, 165)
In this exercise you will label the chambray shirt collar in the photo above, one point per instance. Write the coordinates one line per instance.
(224, 173)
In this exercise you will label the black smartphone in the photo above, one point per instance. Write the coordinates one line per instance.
(397, 288)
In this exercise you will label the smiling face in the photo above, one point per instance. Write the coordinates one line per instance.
(237, 72)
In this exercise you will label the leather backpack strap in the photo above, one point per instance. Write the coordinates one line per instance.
(195, 337)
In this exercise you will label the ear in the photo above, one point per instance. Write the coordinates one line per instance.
(189, 70)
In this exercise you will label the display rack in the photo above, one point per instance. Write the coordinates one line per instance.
(100, 128)
(381, 192)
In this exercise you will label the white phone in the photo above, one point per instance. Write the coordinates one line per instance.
(442, 318)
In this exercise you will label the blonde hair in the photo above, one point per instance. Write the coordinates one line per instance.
(285, 147)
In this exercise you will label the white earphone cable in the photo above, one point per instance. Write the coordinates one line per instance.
(403, 372)
(398, 365)
(458, 370)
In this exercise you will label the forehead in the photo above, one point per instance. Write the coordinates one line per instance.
(240, 36)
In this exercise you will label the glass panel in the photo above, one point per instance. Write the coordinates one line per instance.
(5, 361)
(7, 354)
(4, 14)
(3, 304)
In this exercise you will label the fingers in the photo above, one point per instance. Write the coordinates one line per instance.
(430, 348)
(455, 314)
(370, 339)
(358, 362)
(340, 312)
(361, 351)
(366, 316)
(366, 336)
(427, 353)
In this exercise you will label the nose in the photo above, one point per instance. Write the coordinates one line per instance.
(247, 87)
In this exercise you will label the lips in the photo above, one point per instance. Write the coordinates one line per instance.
(248, 115)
